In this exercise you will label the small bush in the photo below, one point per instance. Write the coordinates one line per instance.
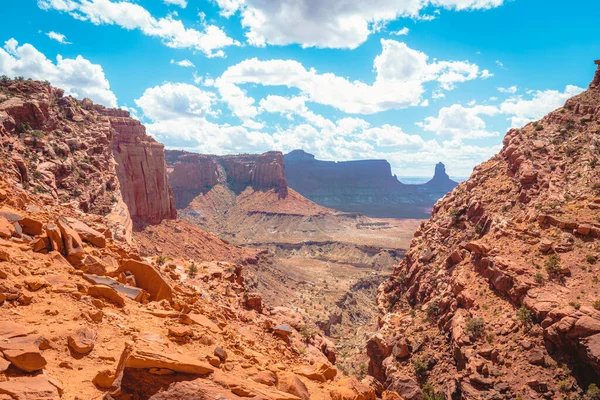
(429, 393)
(553, 266)
(478, 229)
(576, 305)
(4, 79)
(597, 305)
(524, 315)
(192, 270)
(538, 278)
(161, 260)
(421, 368)
(475, 327)
(591, 258)
(592, 392)
(433, 308)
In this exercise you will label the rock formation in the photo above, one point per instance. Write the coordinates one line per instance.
(142, 172)
(366, 186)
(191, 174)
(498, 295)
(85, 315)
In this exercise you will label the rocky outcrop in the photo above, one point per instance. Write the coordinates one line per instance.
(496, 297)
(142, 172)
(365, 186)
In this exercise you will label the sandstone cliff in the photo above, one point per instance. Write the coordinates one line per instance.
(365, 186)
(498, 296)
(69, 150)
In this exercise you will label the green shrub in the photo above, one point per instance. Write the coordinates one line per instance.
(429, 393)
(524, 315)
(597, 305)
(538, 278)
(161, 260)
(475, 327)
(553, 266)
(421, 368)
(576, 305)
(591, 258)
(433, 308)
(592, 392)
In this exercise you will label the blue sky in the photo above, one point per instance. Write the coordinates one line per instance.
(411, 81)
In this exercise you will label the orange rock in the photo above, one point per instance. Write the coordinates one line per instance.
(106, 292)
(352, 389)
(319, 372)
(82, 342)
(88, 234)
(28, 359)
(290, 383)
(31, 226)
(7, 229)
(73, 245)
(30, 388)
(55, 237)
(266, 378)
(388, 395)
(141, 358)
(147, 278)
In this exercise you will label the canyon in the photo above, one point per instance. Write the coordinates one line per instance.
(128, 271)
(365, 186)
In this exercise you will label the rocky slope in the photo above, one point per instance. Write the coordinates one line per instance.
(365, 186)
(86, 315)
(498, 296)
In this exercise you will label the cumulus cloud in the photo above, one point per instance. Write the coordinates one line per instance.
(176, 100)
(59, 37)
(183, 63)
(460, 122)
(78, 77)
(400, 75)
(523, 110)
(180, 3)
(330, 24)
(131, 16)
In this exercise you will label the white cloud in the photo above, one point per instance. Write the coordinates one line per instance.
(400, 72)
(130, 16)
(180, 3)
(59, 37)
(78, 77)
(500, 64)
(183, 63)
(330, 24)
(510, 89)
(460, 122)
(176, 100)
(401, 32)
(524, 110)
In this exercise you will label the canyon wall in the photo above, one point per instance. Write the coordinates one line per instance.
(142, 172)
(191, 174)
(365, 186)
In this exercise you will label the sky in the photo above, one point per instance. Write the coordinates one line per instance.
(414, 82)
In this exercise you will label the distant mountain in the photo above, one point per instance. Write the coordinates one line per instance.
(366, 186)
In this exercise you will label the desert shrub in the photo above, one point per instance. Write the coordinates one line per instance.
(553, 266)
(591, 258)
(421, 368)
(575, 304)
(161, 260)
(4, 79)
(429, 393)
(538, 278)
(597, 305)
(478, 228)
(433, 308)
(564, 385)
(192, 270)
(475, 327)
(524, 315)
(592, 392)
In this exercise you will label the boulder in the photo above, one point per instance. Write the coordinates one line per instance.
(253, 301)
(82, 341)
(28, 358)
(55, 237)
(404, 385)
(73, 246)
(30, 388)
(7, 229)
(282, 330)
(31, 226)
(266, 378)
(88, 234)
(290, 383)
(148, 358)
(147, 278)
(106, 292)
(319, 372)
(351, 389)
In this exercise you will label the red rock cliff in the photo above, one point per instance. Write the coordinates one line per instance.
(142, 172)
(191, 174)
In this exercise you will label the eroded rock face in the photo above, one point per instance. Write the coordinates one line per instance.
(499, 287)
(191, 174)
(142, 172)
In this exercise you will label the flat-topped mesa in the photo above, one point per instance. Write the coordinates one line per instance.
(265, 171)
(596, 81)
(142, 171)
